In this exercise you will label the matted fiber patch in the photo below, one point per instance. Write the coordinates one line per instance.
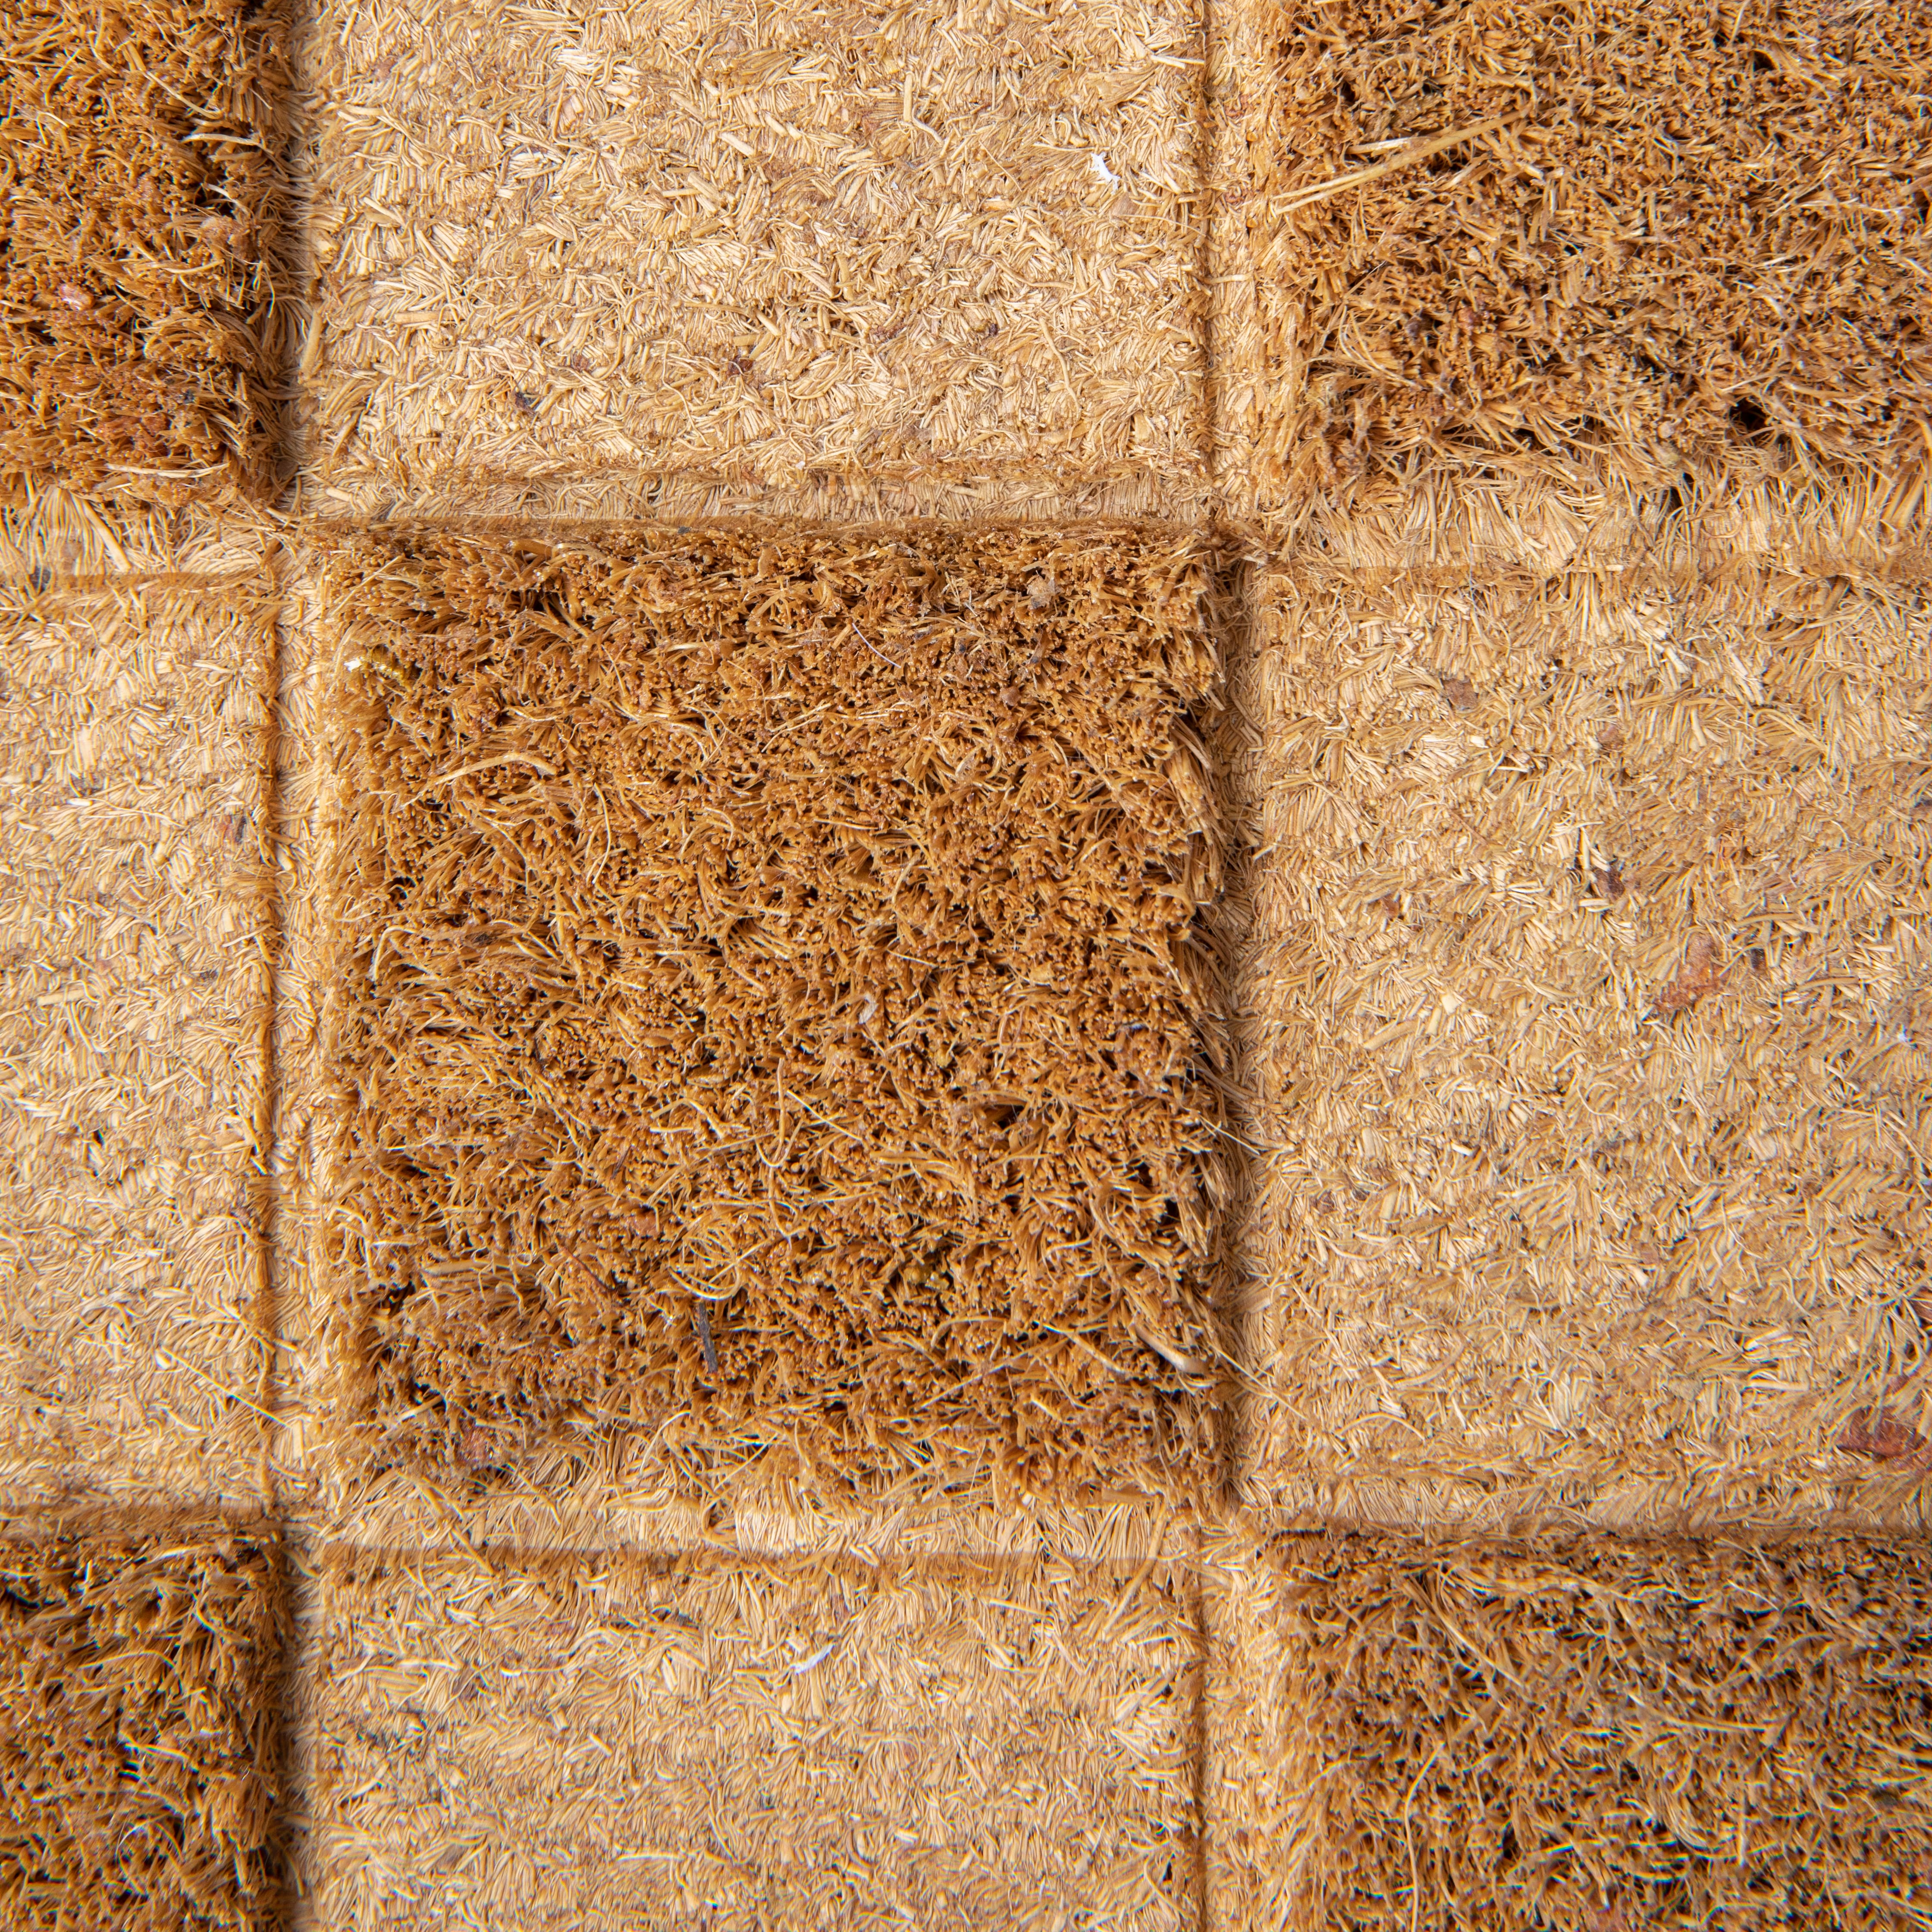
(1604, 1735)
(1596, 1016)
(769, 246)
(140, 1754)
(133, 1011)
(616, 1740)
(1645, 227)
(141, 147)
(770, 1008)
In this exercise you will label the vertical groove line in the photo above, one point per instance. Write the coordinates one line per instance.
(271, 848)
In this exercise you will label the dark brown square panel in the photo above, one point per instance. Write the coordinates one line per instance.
(1665, 233)
(139, 1726)
(771, 1005)
(1577, 1731)
(141, 312)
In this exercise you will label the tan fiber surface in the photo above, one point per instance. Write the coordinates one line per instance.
(140, 150)
(618, 1740)
(1595, 1735)
(770, 1008)
(766, 246)
(133, 1004)
(140, 1728)
(1593, 1021)
(787, 1151)
(1646, 229)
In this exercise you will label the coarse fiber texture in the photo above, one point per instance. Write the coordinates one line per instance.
(778, 245)
(1590, 1734)
(133, 1011)
(710, 1740)
(770, 1008)
(140, 1750)
(1593, 1004)
(141, 151)
(1645, 229)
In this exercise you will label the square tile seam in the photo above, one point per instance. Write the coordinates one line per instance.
(1222, 32)
(271, 1201)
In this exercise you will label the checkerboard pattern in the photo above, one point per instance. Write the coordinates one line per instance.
(991, 934)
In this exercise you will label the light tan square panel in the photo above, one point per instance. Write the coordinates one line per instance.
(625, 1741)
(1241, 1771)
(1593, 1016)
(758, 245)
(132, 1005)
